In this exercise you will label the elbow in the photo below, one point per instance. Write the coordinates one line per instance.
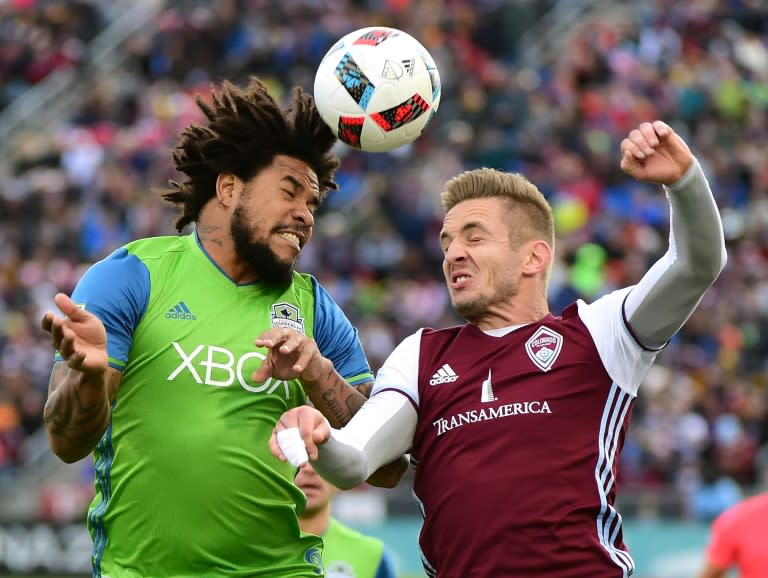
(389, 475)
(723, 258)
(383, 481)
(67, 453)
(69, 456)
(706, 270)
(717, 268)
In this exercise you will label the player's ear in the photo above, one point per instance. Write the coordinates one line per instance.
(537, 257)
(228, 188)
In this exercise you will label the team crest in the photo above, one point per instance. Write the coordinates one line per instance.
(314, 556)
(288, 316)
(543, 347)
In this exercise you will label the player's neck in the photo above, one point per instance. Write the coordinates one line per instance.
(317, 522)
(513, 312)
(218, 243)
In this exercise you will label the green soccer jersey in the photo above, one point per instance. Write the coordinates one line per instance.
(349, 554)
(185, 483)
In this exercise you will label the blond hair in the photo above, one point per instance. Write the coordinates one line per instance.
(529, 215)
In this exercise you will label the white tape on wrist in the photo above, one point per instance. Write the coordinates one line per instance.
(292, 446)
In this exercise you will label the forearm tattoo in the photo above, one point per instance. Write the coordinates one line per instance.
(336, 399)
(73, 417)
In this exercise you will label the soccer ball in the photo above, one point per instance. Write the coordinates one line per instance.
(377, 88)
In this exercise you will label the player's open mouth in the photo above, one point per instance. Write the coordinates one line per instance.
(292, 237)
(459, 280)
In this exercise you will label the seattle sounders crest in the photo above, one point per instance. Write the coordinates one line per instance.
(287, 315)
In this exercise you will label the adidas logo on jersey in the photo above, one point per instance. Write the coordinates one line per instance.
(180, 311)
(443, 375)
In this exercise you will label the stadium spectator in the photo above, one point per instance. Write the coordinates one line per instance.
(715, 493)
(38, 38)
(346, 552)
(515, 419)
(157, 373)
(550, 105)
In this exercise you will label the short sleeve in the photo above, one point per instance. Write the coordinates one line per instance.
(116, 290)
(338, 340)
(625, 360)
(401, 369)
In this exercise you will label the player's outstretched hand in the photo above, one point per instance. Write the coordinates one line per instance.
(655, 153)
(79, 336)
(312, 427)
(292, 355)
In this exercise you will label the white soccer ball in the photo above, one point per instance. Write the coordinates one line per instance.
(377, 88)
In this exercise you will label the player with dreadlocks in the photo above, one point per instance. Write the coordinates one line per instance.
(157, 371)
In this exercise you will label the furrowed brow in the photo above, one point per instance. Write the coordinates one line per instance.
(298, 185)
(465, 228)
(471, 227)
(294, 181)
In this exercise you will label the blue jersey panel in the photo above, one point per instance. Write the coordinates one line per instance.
(116, 290)
(386, 567)
(337, 338)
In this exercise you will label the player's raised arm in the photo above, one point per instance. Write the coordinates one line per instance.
(82, 385)
(668, 293)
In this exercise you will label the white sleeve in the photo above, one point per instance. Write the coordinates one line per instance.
(378, 433)
(669, 292)
(625, 360)
(401, 369)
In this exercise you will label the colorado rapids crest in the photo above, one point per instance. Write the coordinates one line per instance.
(543, 347)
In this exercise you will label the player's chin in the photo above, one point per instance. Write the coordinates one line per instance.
(467, 307)
(289, 264)
(286, 254)
(458, 296)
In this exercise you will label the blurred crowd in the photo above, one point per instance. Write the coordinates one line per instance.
(74, 192)
(37, 39)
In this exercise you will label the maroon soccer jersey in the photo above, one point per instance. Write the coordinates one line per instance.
(517, 442)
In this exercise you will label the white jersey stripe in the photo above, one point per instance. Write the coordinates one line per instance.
(428, 568)
(608, 517)
(622, 406)
(614, 414)
(612, 438)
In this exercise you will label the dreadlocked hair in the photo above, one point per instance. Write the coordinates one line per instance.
(246, 129)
